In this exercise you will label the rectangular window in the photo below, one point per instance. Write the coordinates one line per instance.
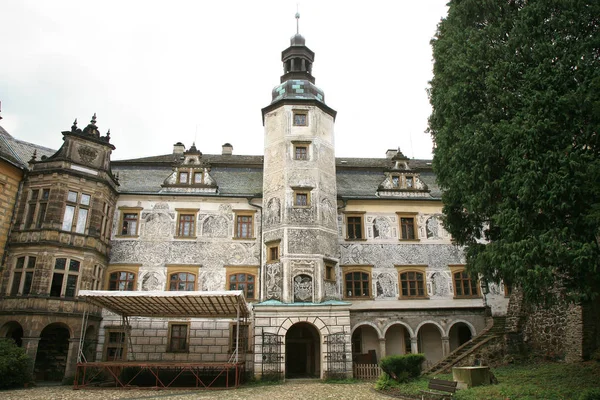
(23, 276)
(357, 282)
(198, 177)
(130, 221)
(408, 226)
(273, 252)
(301, 152)
(64, 282)
(96, 278)
(301, 198)
(354, 227)
(186, 222)
(183, 177)
(105, 228)
(16, 283)
(244, 225)
(178, 337)
(76, 212)
(241, 341)
(300, 118)
(329, 271)
(115, 348)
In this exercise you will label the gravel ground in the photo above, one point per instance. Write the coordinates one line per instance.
(287, 391)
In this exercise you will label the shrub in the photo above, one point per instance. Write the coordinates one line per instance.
(385, 382)
(15, 365)
(590, 394)
(402, 368)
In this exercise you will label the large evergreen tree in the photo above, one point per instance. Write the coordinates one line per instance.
(515, 123)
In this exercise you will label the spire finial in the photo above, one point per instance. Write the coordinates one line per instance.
(297, 20)
(74, 126)
(93, 121)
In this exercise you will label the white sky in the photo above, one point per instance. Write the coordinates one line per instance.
(159, 72)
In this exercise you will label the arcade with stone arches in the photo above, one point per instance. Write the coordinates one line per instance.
(371, 341)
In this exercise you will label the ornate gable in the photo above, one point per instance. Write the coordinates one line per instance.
(190, 175)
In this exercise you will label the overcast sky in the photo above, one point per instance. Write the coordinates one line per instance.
(161, 72)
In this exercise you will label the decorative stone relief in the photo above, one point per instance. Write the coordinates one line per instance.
(273, 282)
(439, 284)
(215, 226)
(301, 215)
(273, 214)
(303, 267)
(212, 280)
(304, 241)
(226, 210)
(385, 284)
(382, 228)
(87, 154)
(327, 212)
(153, 281)
(157, 226)
(303, 289)
(331, 292)
(208, 179)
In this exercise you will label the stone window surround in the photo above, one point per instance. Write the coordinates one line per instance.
(244, 213)
(177, 268)
(274, 244)
(232, 336)
(301, 190)
(170, 337)
(77, 205)
(106, 227)
(346, 269)
(36, 208)
(455, 268)
(24, 269)
(403, 179)
(133, 268)
(248, 270)
(298, 144)
(355, 214)
(412, 268)
(329, 266)
(408, 215)
(296, 112)
(187, 211)
(128, 210)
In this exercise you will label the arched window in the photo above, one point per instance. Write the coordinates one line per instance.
(464, 285)
(357, 283)
(182, 281)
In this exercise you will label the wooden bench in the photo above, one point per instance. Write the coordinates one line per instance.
(442, 388)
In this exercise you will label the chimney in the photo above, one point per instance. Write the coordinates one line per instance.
(227, 149)
(178, 148)
(391, 153)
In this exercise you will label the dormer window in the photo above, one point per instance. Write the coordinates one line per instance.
(410, 182)
(395, 181)
(198, 177)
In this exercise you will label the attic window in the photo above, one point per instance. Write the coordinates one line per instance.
(183, 177)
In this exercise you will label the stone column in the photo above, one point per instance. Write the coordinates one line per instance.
(414, 345)
(381, 348)
(30, 345)
(445, 345)
(72, 357)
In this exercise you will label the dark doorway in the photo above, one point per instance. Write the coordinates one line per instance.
(302, 351)
(53, 348)
(459, 335)
(14, 330)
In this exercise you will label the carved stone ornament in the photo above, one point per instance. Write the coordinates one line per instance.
(273, 281)
(151, 281)
(215, 226)
(303, 289)
(273, 211)
(386, 285)
(87, 154)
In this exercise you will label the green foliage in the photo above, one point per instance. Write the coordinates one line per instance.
(403, 367)
(590, 394)
(516, 127)
(15, 366)
(385, 382)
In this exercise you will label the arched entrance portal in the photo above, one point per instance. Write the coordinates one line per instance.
(430, 344)
(459, 334)
(51, 359)
(302, 350)
(13, 330)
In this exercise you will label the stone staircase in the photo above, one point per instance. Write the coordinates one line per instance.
(497, 329)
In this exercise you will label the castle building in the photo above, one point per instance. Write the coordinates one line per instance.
(342, 260)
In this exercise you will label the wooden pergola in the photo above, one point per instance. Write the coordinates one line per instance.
(164, 304)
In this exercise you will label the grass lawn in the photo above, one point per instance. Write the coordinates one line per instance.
(546, 381)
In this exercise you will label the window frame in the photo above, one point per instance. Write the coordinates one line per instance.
(355, 214)
(244, 214)
(248, 270)
(299, 144)
(181, 212)
(419, 269)
(123, 346)
(66, 272)
(170, 337)
(329, 271)
(415, 226)
(77, 206)
(131, 268)
(364, 269)
(178, 269)
(273, 246)
(299, 113)
(129, 210)
(23, 270)
(302, 192)
(461, 268)
(233, 325)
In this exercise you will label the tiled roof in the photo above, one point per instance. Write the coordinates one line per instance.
(21, 151)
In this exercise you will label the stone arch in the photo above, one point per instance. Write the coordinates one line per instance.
(317, 323)
(459, 333)
(12, 330)
(442, 332)
(371, 324)
(470, 325)
(303, 350)
(404, 324)
(53, 352)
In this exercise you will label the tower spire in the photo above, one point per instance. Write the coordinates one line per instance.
(297, 20)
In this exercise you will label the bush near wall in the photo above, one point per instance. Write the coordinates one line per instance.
(402, 368)
(15, 365)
